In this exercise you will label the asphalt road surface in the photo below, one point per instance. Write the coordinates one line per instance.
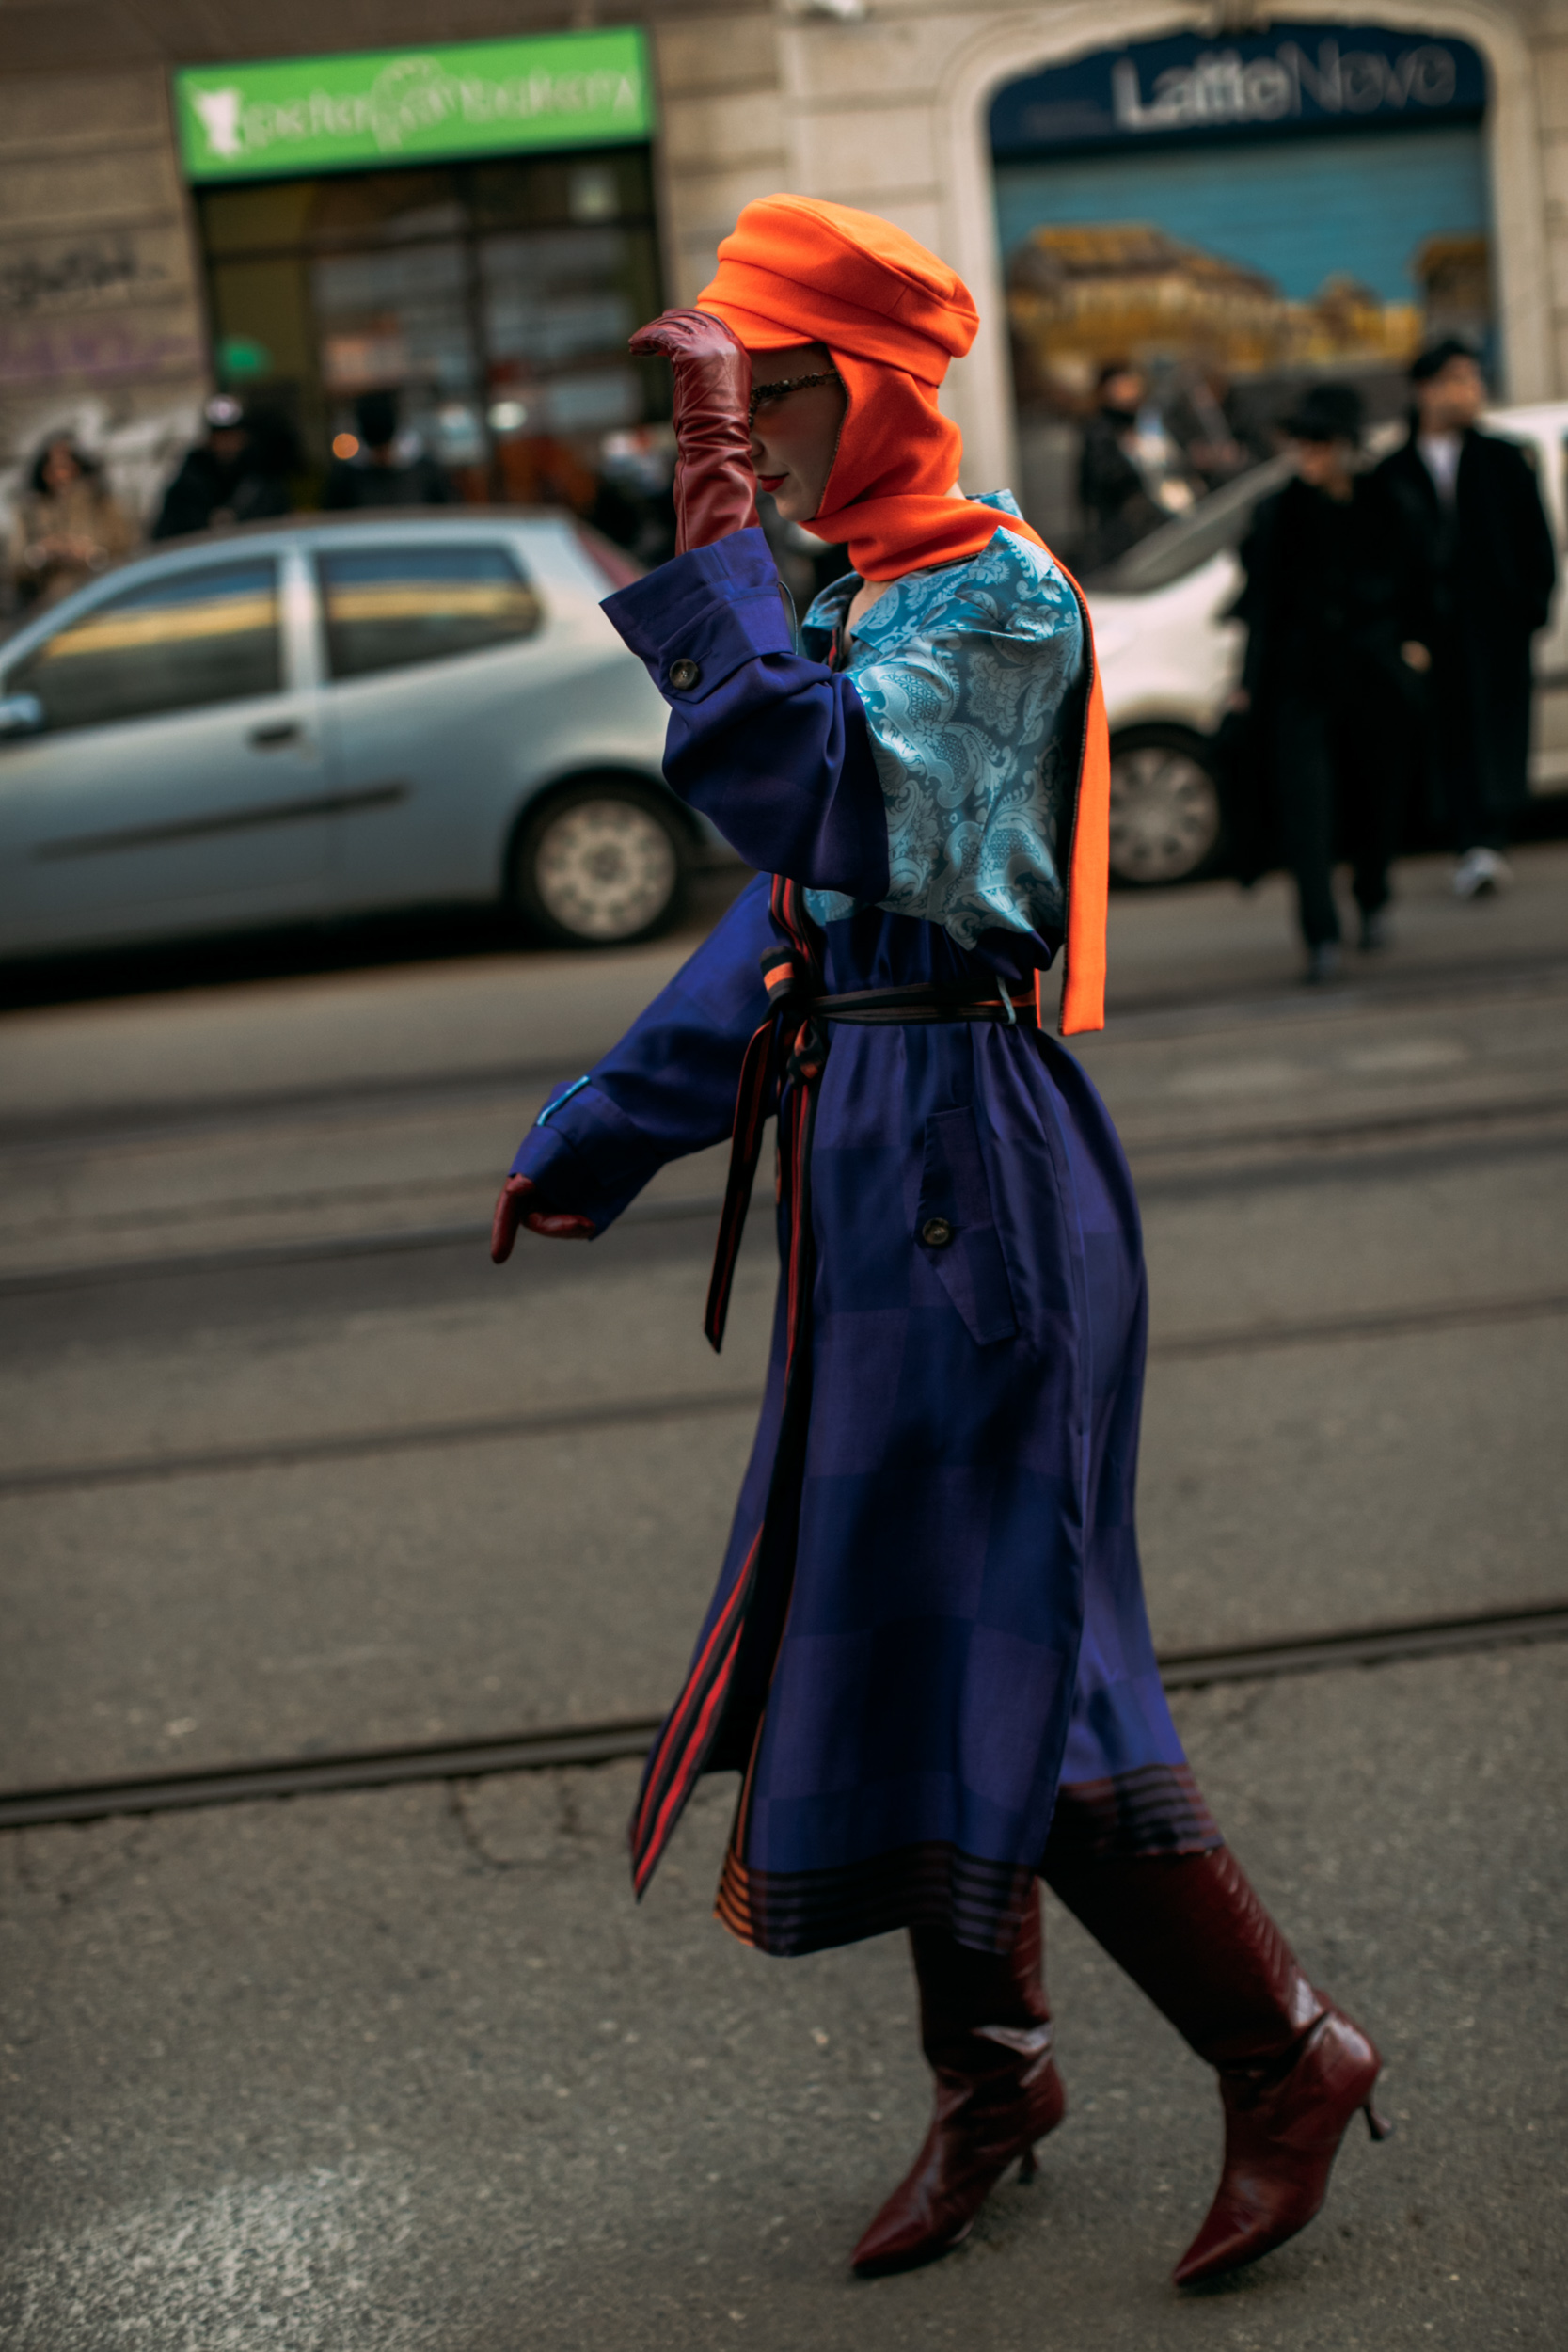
(288, 1469)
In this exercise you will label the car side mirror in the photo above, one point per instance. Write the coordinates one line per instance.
(21, 714)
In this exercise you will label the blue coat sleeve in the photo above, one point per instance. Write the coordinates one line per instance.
(668, 1087)
(771, 747)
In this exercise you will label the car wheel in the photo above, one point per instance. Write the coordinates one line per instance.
(600, 866)
(1166, 823)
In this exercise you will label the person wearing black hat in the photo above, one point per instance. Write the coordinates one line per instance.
(388, 468)
(1472, 504)
(239, 473)
(1335, 635)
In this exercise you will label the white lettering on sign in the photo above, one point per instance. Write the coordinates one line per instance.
(413, 95)
(1219, 88)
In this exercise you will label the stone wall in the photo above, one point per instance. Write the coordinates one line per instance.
(1552, 66)
(100, 325)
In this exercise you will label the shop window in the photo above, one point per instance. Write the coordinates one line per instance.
(185, 643)
(389, 607)
(492, 299)
(1193, 231)
(392, 319)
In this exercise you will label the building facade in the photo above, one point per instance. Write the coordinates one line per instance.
(1210, 190)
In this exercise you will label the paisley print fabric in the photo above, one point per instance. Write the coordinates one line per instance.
(964, 674)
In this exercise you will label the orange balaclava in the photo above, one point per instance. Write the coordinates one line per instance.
(796, 270)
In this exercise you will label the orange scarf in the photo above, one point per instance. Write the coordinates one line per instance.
(797, 271)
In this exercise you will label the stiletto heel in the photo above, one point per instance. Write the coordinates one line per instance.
(1028, 2167)
(1281, 2138)
(985, 2027)
(1378, 2126)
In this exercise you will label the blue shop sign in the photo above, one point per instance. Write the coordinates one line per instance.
(1292, 79)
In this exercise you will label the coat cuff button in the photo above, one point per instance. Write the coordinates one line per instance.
(935, 1232)
(684, 674)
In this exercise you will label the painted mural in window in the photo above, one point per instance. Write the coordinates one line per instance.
(1194, 229)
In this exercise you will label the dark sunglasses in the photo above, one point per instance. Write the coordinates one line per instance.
(764, 395)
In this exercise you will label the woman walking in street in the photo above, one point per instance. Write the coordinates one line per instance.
(67, 526)
(927, 1654)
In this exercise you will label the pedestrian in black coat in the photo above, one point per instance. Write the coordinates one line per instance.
(1113, 490)
(1472, 506)
(238, 475)
(1335, 620)
(390, 467)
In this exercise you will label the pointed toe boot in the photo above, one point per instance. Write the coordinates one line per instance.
(986, 2029)
(1293, 2068)
(977, 2130)
(1282, 2133)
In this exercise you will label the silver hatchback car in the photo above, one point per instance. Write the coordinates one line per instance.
(325, 718)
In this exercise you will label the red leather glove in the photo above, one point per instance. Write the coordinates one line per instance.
(716, 491)
(521, 1203)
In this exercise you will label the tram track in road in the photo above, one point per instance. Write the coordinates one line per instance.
(568, 1746)
(1138, 1015)
(1184, 1163)
(190, 1118)
(284, 1452)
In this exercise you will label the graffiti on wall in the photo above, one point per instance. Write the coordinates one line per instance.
(99, 350)
(77, 276)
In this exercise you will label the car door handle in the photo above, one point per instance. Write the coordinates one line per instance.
(273, 738)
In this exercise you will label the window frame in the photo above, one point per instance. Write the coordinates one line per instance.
(295, 656)
(437, 534)
(492, 195)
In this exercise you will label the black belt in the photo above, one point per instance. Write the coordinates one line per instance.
(922, 1001)
(794, 1023)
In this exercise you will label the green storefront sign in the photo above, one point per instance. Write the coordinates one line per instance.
(412, 106)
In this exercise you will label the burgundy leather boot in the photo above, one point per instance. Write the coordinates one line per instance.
(985, 2026)
(1293, 2069)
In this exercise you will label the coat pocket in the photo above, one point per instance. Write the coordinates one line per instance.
(955, 1231)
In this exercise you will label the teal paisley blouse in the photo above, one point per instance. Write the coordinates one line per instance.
(963, 674)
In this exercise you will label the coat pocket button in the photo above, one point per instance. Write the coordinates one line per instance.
(935, 1232)
(684, 674)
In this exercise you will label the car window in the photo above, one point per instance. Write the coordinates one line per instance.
(1219, 521)
(175, 643)
(390, 606)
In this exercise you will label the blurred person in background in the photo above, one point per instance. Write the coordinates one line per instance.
(1132, 473)
(1471, 503)
(66, 525)
(634, 505)
(381, 467)
(1111, 489)
(238, 473)
(1336, 629)
(1209, 428)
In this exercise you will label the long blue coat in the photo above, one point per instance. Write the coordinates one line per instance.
(928, 1650)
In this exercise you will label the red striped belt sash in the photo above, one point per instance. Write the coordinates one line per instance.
(792, 1044)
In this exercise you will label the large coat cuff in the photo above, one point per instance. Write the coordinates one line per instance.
(587, 1156)
(699, 618)
(769, 745)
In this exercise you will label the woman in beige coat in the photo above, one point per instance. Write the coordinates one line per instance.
(66, 525)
